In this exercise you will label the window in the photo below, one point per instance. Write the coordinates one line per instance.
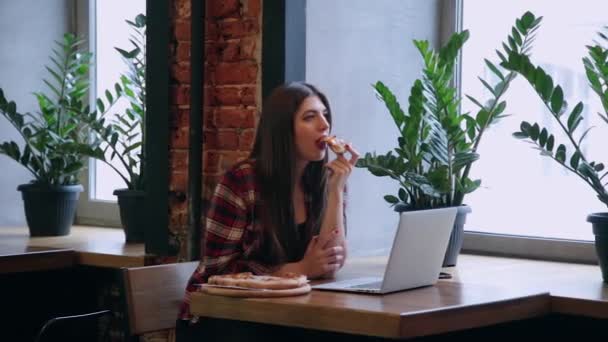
(524, 194)
(527, 205)
(103, 22)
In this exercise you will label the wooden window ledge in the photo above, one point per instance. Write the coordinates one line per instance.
(91, 246)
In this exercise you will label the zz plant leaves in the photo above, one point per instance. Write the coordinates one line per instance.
(437, 143)
(121, 136)
(55, 139)
(596, 70)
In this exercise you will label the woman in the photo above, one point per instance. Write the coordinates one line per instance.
(282, 209)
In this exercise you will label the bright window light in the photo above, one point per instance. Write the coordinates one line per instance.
(522, 192)
(111, 31)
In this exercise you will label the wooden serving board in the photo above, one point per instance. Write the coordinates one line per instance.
(231, 292)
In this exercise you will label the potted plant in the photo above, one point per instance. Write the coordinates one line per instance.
(552, 95)
(437, 143)
(122, 135)
(55, 141)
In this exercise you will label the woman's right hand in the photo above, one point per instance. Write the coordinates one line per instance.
(319, 260)
(341, 168)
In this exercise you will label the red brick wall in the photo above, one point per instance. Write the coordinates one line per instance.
(232, 91)
(179, 122)
(232, 86)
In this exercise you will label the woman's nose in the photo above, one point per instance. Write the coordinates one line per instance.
(323, 124)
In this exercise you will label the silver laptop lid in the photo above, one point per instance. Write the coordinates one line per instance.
(418, 248)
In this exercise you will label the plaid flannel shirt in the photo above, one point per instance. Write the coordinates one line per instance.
(233, 234)
(232, 231)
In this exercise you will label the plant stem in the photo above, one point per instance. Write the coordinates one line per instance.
(27, 141)
(127, 168)
(99, 129)
(569, 134)
(117, 171)
(459, 197)
(66, 61)
(571, 169)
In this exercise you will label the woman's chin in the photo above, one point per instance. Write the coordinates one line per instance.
(312, 156)
(318, 156)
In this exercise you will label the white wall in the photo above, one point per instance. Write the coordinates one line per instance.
(351, 44)
(27, 31)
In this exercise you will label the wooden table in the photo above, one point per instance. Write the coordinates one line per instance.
(38, 282)
(91, 246)
(15, 259)
(484, 291)
(575, 289)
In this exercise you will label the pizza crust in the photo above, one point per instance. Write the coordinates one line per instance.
(218, 291)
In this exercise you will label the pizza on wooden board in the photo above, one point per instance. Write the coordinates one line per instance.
(247, 284)
(249, 280)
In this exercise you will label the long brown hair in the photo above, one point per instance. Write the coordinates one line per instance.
(274, 154)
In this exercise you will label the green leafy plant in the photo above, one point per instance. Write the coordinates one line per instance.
(121, 136)
(56, 141)
(596, 68)
(437, 143)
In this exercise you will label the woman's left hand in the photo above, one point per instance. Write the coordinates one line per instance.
(335, 240)
(341, 169)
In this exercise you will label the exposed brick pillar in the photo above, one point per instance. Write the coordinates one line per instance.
(232, 83)
(232, 91)
(179, 122)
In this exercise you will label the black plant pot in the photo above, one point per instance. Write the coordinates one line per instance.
(600, 230)
(457, 236)
(132, 214)
(49, 210)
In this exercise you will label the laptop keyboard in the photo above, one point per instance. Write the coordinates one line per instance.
(374, 285)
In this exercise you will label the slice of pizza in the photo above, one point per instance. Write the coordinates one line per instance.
(249, 280)
(335, 144)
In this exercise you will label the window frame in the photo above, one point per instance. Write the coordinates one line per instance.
(158, 32)
(502, 244)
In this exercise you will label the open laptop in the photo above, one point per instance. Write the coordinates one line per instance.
(416, 256)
